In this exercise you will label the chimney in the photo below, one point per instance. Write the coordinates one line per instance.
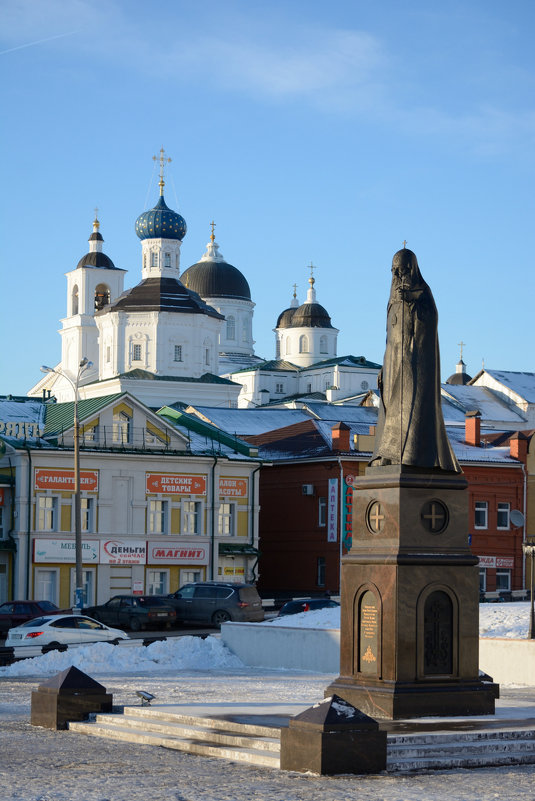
(340, 437)
(518, 446)
(472, 428)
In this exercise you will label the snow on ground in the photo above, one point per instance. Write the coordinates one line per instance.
(193, 653)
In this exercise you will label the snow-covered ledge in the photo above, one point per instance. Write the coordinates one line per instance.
(262, 645)
(508, 661)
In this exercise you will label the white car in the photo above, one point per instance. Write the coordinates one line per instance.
(54, 630)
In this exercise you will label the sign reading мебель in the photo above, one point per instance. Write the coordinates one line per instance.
(332, 511)
(175, 483)
(64, 551)
(171, 553)
(64, 480)
(123, 552)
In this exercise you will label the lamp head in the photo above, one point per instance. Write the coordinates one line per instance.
(45, 369)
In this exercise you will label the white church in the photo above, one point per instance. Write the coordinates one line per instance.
(187, 337)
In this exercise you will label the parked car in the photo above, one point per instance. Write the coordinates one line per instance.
(135, 612)
(13, 613)
(215, 602)
(56, 630)
(306, 605)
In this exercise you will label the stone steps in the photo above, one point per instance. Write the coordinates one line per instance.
(460, 750)
(260, 745)
(254, 745)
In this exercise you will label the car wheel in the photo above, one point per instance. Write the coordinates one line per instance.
(135, 624)
(221, 616)
(55, 646)
(116, 641)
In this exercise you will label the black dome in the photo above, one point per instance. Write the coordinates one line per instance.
(311, 315)
(97, 259)
(459, 378)
(216, 279)
(285, 318)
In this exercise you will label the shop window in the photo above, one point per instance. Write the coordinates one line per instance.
(320, 580)
(47, 513)
(191, 517)
(503, 580)
(226, 523)
(122, 428)
(157, 582)
(231, 328)
(158, 516)
(503, 515)
(87, 514)
(481, 514)
(322, 511)
(178, 353)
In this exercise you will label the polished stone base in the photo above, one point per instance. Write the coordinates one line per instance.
(397, 701)
(70, 695)
(333, 737)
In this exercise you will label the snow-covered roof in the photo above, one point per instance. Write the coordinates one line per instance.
(248, 422)
(22, 419)
(470, 453)
(521, 383)
(482, 399)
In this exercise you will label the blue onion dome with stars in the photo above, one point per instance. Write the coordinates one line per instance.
(161, 222)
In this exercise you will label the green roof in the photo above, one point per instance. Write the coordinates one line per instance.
(144, 375)
(273, 366)
(60, 416)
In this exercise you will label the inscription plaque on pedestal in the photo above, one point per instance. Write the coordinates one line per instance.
(368, 634)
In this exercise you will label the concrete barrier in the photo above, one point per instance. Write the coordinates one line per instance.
(261, 645)
(318, 650)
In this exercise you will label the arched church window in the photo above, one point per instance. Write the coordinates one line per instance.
(144, 260)
(102, 296)
(303, 344)
(278, 349)
(167, 260)
(231, 327)
(153, 259)
(74, 305)
(323, 345)
(288, 345)
(245, 331)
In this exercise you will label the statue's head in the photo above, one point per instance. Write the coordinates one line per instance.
(405, 266)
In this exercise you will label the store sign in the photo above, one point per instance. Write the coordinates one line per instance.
(332, 511)
(123, 552)
(64, 480)
(174, 553)
(348, 517)
(137, 588)
(19, 429)
(233, 487)
(496, 561)
(176, 484)
(64, 551)
(350, 479)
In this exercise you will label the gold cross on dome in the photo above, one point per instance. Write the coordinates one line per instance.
(295, 290)
(212, 235)
(162, 159)
(461, 345)
(96, 223)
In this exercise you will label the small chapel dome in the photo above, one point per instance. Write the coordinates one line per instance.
(213, 277)
(161, 222)
(460, 377)
(311, 315)
(284, 320)
(95, 257)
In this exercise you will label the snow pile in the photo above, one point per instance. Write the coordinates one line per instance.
(176, 653)
(315, 619)
(504, 620)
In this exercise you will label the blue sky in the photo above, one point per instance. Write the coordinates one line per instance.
(309, 131)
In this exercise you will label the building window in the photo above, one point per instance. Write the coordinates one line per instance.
(279, 388)
(303, 344)
(158, 517)
(122, 428)
(503, 580)
(245, 331)
(288, 345)
(309, 387)
(47, 513)
(321, 571)
(322, 511)
(87, 509)
(231, 328)
(278, 349)
(102, 296)
(136, 353)
(75, 300)
(157, 582)
(207, 356)
(226, 524)
(323, 345)
(481, 514)
(482, 579)
(167, 260)
(191, 517)
(503, 515)
(153, 259)
(108, 353)
(178, 353)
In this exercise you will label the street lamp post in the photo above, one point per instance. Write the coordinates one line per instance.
(529, 550)
(84, 365)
